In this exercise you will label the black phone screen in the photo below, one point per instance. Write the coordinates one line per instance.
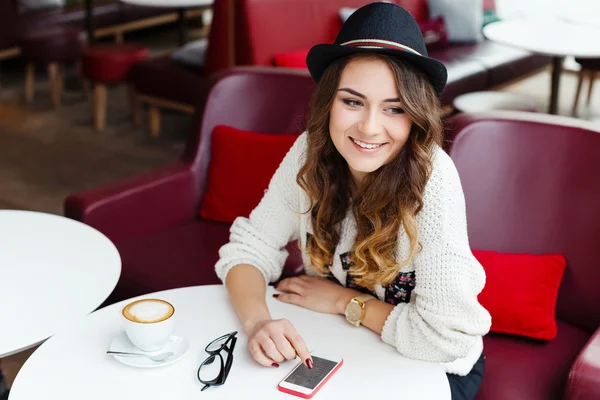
(310, 378)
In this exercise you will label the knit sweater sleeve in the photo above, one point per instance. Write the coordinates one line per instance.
(260, 239)
(445, 320)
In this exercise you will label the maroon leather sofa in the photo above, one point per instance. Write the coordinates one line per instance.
(531, 186)
(263, 28)
(154, 219)
(106, 13)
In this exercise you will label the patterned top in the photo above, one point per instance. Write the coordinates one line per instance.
(396, 292)
(437, 316)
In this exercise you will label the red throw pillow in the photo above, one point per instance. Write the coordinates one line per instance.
(435, 34)
(521, 291)
(241, 166)
(292, 59)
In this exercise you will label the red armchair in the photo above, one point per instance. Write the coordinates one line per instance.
(531, 186)
(153, 219)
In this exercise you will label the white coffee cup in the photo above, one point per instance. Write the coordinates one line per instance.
(149, 323)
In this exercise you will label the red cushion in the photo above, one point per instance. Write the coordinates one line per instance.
(521, 291)
(241, 166)
(110, 63)
(57, 44)
(292, 59)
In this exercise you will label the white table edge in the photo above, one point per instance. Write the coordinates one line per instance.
(555, 54)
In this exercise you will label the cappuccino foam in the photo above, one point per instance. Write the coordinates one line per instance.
(148, 311)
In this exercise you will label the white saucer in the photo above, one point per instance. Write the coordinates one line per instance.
(178, 345)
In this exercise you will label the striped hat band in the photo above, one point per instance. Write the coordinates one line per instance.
(379, 44)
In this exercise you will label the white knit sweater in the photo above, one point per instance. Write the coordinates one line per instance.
(441, 320)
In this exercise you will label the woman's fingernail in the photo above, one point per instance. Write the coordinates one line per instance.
(276, 295)
(309, 363)
(275, 365)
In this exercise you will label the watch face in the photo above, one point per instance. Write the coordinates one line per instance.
(353, 312)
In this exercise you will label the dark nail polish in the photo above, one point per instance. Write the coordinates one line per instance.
(309, 363)
(276, 295)
(275, 365)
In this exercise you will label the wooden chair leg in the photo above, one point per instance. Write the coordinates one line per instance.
(154, 120)
(582, 74)
(99, 106)
(29, 82)
(54, 76)
(134, 105)
(591, 88)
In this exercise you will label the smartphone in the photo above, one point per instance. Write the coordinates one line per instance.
(304, 382)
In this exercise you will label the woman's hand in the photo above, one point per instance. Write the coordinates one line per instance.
(315, 293)
(272, 341)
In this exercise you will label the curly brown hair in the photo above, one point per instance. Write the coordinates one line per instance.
(389, 198)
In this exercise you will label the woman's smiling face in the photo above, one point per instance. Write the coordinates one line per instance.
(367, 123)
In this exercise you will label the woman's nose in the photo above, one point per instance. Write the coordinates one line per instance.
(370, 125)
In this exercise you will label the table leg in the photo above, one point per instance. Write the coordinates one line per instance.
(183, 32)
(557, 63)
(89, 23)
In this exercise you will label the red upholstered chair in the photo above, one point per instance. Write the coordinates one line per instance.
(51, 48)
(154, 219)
(107, 64)
(531, 186)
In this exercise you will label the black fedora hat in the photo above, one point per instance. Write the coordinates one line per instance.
(379, 28)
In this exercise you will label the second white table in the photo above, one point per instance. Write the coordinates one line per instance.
(53, 272)
(549, 36)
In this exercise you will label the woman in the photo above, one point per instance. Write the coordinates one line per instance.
(376, 205)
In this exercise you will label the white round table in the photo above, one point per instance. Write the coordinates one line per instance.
(491, 100)
(53, 272)
(580, 11)
(549, 36)
(181, 5)
(74, 362)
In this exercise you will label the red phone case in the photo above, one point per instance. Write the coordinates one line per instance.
(308, 396)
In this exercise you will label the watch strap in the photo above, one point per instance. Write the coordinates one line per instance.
(363, 298)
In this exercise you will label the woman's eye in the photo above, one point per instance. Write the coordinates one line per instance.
(352, 103)
(396, 110)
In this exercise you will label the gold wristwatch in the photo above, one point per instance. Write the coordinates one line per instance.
(355, 310)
